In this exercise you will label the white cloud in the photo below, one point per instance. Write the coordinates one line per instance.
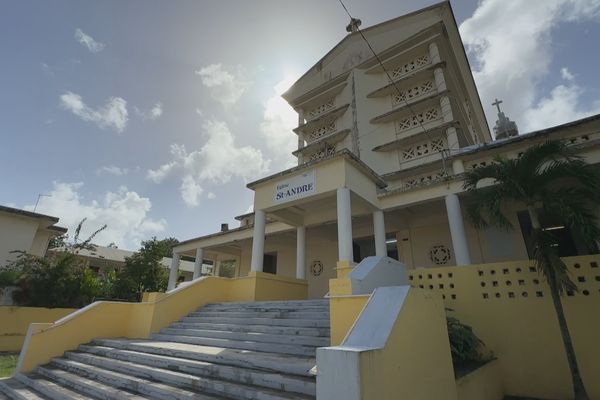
(226, 84)
(513, 55)
(154, 113)
(112, 170)
(88, 41)
(211, 196)
(278, 121)
(47, 70)
(113, 114)
(191, 191)
(566, 74)
(124, 212)
(217, 161)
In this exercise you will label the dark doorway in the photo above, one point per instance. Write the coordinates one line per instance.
(567, 242)
(270, 263)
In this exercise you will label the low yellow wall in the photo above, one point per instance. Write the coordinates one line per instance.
(343, 311)
(139, 320)
(14, 322)
(485, 383)
(415, 362)
(510, 308)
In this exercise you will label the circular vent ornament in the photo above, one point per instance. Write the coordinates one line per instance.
(440, 254)
(316, 268)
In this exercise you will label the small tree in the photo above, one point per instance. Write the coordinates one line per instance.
(59, 280)
(549, 180)
(143, 271)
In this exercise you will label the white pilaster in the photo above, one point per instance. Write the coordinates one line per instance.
(379, 233)
(344, 225)
(457, 230)
(458, 167)
(198, 262)
(434, 53)
(452, 138)
(301, 252)
(258, 241)
(173, 272)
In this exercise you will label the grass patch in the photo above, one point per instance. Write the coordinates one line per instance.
(8, 363)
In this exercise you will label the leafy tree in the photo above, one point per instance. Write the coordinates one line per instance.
(143, 271)
(58, 241)
(56, 281)
(550, 181)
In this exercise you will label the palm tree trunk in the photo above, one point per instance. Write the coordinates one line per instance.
(578, 387)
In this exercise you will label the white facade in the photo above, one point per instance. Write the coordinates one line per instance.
(22, 230)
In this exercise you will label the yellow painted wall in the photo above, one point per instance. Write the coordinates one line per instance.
(14, 322)
(415, 362)
(510, 309)
(139, 320)
(343, 311)
(484, 383)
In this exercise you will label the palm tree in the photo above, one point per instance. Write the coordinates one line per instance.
(551, 181)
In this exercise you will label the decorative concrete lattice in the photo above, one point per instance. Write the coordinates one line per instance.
(417, 119)
(424, 179)
(326, 150)
(410, 66)
(440, 254)
(423, 149)
(506, 281)
(414, 92)
(320, 109)
(582, 138)
(320, 132)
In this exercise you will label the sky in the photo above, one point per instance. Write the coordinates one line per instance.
(151, 116)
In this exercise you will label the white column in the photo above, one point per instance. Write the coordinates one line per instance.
(198, 263)
(379, 233)
(258, 241)
(457, 230)
(434, 53)
(458, 167)
(301, 252)
(173, 272)
(344, 225)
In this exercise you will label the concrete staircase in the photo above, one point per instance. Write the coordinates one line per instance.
(259, 350)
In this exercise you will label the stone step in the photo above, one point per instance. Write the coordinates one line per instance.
(277, 303)
(322, 323)
(125, 381)
(251, 336)
(217, 387)
(51, 390)
(261, 314)
(242, 328)
(299, 350)
(15, 390)
(273, 362)
(91, 388)
(289, 383)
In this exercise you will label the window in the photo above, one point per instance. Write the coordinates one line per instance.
(270, 263)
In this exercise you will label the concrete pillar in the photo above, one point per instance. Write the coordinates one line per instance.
(434, 53)
(301, 252)
(198, 262)
(440, 81)
(258, 241)
(379, 233)
(344, 225)
(446, 108)
(173, 272)
(457, 230)
(458, 167)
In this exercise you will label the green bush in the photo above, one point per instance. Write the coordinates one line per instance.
(465, 346)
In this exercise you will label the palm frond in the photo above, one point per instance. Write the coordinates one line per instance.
(484, 208)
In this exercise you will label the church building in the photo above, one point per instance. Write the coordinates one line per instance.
(383, 144)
